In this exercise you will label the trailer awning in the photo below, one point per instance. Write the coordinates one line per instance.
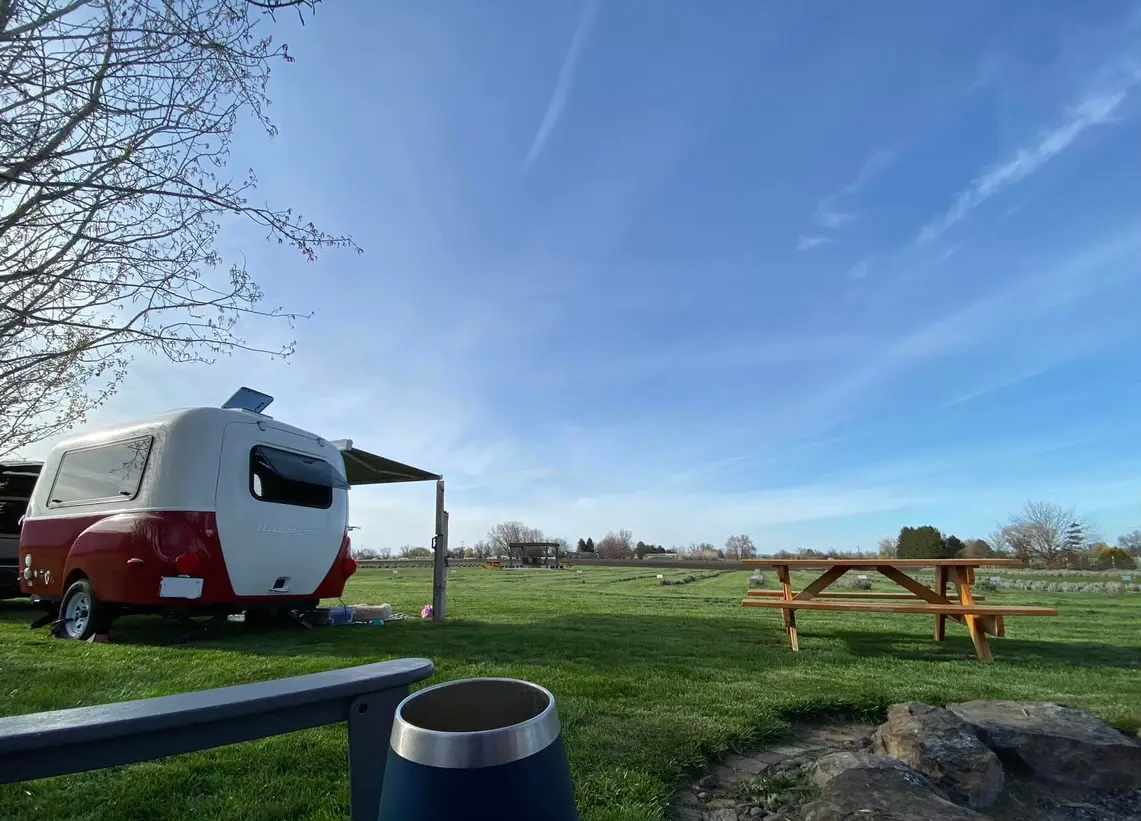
(364, 468)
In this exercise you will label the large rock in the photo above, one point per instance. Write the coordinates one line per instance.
(943, 747)
(1056, 743)
(829, 766)
(884, 794)
(720, 814)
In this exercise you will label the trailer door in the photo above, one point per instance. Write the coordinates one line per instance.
(282, 507)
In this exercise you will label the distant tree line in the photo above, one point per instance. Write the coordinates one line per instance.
(620, 545)
(403, 552)
(616, 545)
(1041, 533)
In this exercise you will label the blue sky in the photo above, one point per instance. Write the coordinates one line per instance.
(805, 271)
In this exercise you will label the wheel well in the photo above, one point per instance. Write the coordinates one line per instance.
(72, 578)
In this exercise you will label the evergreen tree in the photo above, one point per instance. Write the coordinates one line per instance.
(924, 542)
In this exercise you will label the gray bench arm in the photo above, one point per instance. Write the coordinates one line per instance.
(107, 735)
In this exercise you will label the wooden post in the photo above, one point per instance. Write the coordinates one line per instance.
(440, 561)
(941, 589)
(964, 578)
(789, 615)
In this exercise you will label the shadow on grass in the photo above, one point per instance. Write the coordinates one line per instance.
(1018, 651)
(602, 641)
(18, 611)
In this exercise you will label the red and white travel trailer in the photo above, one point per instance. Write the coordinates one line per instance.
(208, 509)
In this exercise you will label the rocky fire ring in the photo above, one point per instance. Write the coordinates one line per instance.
(1000, 760)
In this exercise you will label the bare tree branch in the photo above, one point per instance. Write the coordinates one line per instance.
(116, 121)
(1045, 532)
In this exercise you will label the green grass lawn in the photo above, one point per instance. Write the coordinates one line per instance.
(651, 681)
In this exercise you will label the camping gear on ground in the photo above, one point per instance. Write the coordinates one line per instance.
(475, 749)
(372, 612)
(340, 615)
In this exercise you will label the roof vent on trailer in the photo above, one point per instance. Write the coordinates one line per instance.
(249, 400)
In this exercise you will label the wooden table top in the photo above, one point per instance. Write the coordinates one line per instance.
(882, 562)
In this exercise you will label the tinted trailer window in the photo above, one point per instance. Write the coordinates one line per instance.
(101, 473)
(289, 478)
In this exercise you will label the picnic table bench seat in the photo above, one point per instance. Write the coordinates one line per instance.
(855, 595)
(914, 598)
(886, 607)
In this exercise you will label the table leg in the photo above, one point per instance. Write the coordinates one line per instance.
(782, 574)
(941, 589)
(964, 576)
(789, 615)
(987, 624)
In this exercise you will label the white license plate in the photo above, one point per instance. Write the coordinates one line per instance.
(179, 587)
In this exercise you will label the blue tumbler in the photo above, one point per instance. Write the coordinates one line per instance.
(477, 749)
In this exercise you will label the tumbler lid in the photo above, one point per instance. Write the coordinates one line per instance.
(475, 722)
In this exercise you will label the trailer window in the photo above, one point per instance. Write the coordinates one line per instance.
(292, 478)
(101, 473)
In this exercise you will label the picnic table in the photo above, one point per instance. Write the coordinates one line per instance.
(914, 597)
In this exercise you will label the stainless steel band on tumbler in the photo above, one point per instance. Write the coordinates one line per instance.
(470, 723)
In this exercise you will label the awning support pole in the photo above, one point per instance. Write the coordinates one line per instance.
(440, 561)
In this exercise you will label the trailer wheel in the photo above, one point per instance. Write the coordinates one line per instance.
(79, 613)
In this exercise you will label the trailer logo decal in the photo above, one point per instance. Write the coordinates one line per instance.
(287, 531)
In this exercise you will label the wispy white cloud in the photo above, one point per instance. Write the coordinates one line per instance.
(876, 164)
(831, 212)
(1086, 341)
(748, 354)
(1095, 109)
(807, 242)
(1022, 302)
(829, 216)
(995, 384)
(558, 101)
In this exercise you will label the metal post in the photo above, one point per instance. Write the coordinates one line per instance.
(440, 563)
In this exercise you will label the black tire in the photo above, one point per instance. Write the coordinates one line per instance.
(80, 613)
